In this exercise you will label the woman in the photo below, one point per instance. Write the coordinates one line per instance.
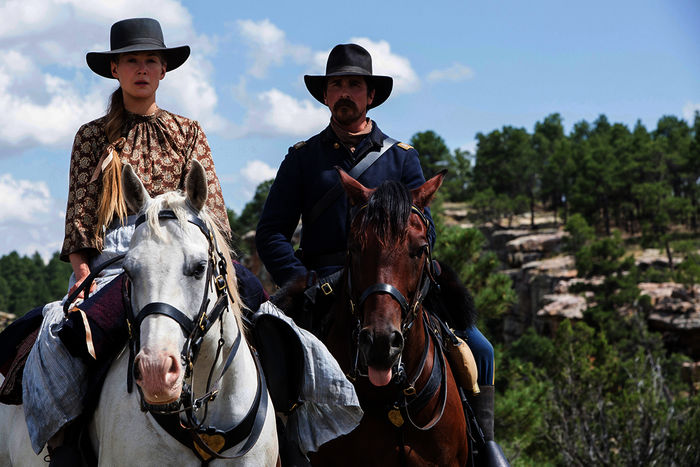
(160, 146)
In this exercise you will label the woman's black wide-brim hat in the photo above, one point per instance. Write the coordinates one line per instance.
(350, 60)
(136, 35)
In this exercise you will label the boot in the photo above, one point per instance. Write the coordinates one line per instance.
(482, 404)
(64, 447)
(490, 453)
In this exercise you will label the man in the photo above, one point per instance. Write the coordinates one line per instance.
(349, 89)
(305, 181)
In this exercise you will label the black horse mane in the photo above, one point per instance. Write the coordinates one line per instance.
(387, 211)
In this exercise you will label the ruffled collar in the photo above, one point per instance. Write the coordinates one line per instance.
(137, 118)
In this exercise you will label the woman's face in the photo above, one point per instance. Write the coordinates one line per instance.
(139, 74)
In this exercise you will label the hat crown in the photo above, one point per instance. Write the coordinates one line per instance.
(349, 58)
(136, 31)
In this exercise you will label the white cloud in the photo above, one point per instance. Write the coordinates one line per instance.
(22, 200)
(256, 172)
(28, 16)
(276, 113)
(385, 62)
(689, 110)
(51, 116)
(456, 73)
(269, 46)
(42, 107)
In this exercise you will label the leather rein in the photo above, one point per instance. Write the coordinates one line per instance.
(409, 397)
(180, 418)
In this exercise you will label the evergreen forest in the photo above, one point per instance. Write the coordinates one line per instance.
(602, 390)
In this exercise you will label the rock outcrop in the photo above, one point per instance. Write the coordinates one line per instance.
(546, 287)
(675, 313)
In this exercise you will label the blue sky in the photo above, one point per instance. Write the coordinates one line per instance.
(459, 68)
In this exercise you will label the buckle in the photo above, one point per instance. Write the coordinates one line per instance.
(326, 288)
(203, 321)
(220, 282)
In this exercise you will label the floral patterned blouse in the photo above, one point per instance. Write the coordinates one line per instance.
(159, 147)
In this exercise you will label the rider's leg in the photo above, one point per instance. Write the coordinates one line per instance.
(64, 446)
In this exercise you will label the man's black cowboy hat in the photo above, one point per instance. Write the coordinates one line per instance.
(136, 35)
(350, 60)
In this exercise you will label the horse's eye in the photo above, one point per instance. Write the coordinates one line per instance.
(199, 270)
(418, 252)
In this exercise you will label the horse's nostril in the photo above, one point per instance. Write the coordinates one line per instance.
(137, 371)
(173, 366)
(365, 339)
(396, 340)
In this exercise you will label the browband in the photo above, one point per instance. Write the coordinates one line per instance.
(168, 214)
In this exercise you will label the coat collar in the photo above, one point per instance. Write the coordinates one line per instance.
(372, 141)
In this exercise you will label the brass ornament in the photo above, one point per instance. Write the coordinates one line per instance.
(395, 417)
(215, 443)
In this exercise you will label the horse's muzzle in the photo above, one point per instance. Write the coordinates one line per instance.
(159, 375)
(380, 348)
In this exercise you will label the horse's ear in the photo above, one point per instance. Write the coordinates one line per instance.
(196, 185)
(357, 193)
(423, 195)
(135, 194)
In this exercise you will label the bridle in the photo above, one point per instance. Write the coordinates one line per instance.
(194, 330)
(409, 310)
(191, 430)
(408, 397)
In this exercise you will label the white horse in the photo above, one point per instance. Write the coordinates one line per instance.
(181, 291)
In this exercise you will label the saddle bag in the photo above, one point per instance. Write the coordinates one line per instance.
(282, 360)
(96, 329)
(463, 364)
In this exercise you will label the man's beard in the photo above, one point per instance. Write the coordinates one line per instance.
(346, 112)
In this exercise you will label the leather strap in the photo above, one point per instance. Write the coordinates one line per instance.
(168, 214)
(389, 289)
(331, 195)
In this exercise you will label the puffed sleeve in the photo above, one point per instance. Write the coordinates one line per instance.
(83, 195)
(198, 148)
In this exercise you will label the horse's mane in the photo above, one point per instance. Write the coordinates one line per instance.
(387, 212)
(176, 202)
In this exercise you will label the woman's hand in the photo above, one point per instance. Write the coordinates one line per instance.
(81, 270)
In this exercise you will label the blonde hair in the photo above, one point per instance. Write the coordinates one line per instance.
(111, 201)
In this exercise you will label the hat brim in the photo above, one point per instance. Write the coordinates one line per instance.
(100, 62)
(382, 86)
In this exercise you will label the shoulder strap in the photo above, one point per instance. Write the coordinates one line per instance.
(331, 195)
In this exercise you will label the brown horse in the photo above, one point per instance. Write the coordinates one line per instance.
(384, 340)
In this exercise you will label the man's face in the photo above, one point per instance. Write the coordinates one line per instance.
(347, 98)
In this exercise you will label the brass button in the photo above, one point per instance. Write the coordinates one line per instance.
(336, 145)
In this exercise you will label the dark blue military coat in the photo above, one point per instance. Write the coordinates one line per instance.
(304, 176)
